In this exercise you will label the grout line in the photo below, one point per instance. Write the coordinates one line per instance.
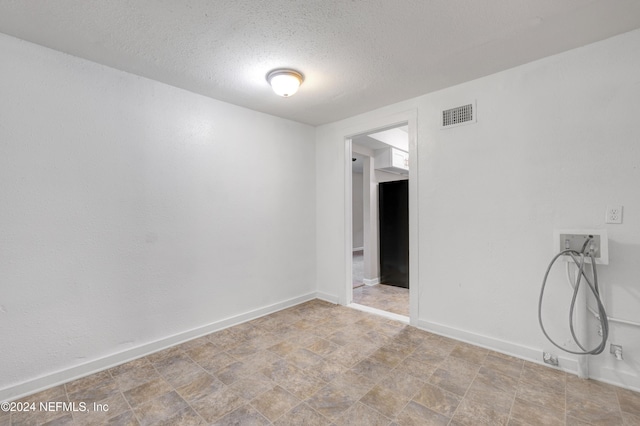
(515, 394)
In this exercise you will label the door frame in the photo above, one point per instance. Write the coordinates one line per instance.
(410, 118)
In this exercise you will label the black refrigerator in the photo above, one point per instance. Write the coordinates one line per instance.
(393, 227)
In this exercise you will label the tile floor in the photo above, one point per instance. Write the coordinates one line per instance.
(322, 364)
(385, 297)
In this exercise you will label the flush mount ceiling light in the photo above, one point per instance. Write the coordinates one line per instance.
(285, 82)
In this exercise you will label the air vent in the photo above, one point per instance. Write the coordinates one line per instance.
(460, 115)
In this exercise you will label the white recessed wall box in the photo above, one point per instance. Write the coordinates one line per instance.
(575, 239)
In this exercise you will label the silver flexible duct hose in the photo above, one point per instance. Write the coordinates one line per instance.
(593, 286)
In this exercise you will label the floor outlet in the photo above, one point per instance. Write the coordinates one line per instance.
(550, 358)
(617, 351)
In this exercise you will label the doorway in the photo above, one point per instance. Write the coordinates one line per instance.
(380, 268)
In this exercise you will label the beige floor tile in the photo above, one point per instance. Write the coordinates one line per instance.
(147, 391)
(233, 372)
(326, 371)
(353, 384)
(388, 356)
(194, 343)
(402, 382)
(348, 355)
(185, 417)
(372, 339)
(90, 389)
(226, 339)
(415, 414)
(590, 389)
(504, 364)
(202, 385)
(594, 411)
(202, 351)
(472, 412)
(135, 377)
(303, 358)
(160, 408)
(629, 401)
(526, 413)
(129, 366)
(438, 400)
(178, 369)
(243, 350)
(165, 353)
(64, 420)
(540, 395)
(331, 402)
(362, 415)
(279, 370)
(103, 411)
(5, 418)
(215, 362)
(630, 419)
(385, 401)
(274, 403)
(501, 401)
(34, 417)
(542, 376)
(371, 369)
(572, 421)
(455, 381)
(430, 353)
(322, 347)
(251, 386)
(284, 348)
(488, 380)
(128, 418)
(469, 353)
(245, 415)
(302, 414)
(214, 406)
(418, 369)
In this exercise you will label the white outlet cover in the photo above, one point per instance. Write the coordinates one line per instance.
(614, 214)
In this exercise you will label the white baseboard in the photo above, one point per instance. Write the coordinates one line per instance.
(371, 282)
(327, 297)
(54, 379)
(617, 378)
(498, 345)
(534, 355)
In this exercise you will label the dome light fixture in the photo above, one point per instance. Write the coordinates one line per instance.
(285, 82)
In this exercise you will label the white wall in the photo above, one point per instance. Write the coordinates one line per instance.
(556, 141)
(357, 209)
(382, 176)
(134, 214)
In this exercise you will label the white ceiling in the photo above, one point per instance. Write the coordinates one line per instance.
(355, 55)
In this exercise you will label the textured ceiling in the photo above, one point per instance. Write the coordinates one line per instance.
(356, 55)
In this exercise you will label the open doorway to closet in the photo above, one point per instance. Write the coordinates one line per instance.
(380, 220)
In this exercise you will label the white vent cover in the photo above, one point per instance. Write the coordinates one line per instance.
(464, 114)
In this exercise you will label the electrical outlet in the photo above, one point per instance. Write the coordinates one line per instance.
(614, 214)
(550, 358)
(616, 350)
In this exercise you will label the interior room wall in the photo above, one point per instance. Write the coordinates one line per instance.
(555, 142)
(134, 215)
(357, 209)
(382, 176)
